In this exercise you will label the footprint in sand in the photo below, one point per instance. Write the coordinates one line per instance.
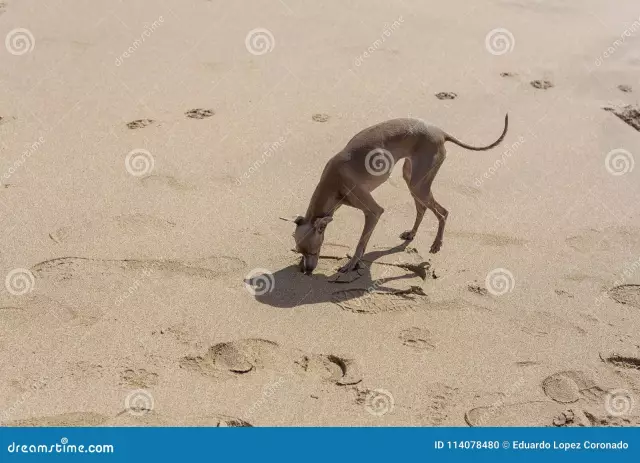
(630, 114)
(124, 418)
(571, 386)
(139, 378)
(629, 359)
(446, 96)
(245, 356)
(417, 338)
(603, 240)
(546, 323)
(625, 88)
(153, 418)
(37, 310)
(166, 180)
(563, 293)
(128, 224)
(139, 124)
(67, 268)
(541, 84)
(73, 419)
(626, 294)
(199, 113)
(538, 413)
(542, 414)
(371, 301)
(477, 289)
(611, 406)
(489, 239)
(319, 117)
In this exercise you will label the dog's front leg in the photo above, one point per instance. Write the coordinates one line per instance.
(372, 212)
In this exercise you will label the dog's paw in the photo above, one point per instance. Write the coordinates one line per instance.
(350, 266)
(407, 236)
(435, 247)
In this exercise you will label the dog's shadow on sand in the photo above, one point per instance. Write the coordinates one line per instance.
(289, 287)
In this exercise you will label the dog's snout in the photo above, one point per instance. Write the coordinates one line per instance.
(308, 265)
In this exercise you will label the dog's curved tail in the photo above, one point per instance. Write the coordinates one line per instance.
(450, 138)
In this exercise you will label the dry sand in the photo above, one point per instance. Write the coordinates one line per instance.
(126, 300)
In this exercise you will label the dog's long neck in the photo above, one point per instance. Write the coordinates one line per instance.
(323, 202)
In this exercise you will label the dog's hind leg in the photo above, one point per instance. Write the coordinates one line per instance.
(420, 205)
(441, 214)
(419, 175)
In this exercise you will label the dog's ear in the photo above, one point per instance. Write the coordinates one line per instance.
(297, 220)
(321, 223)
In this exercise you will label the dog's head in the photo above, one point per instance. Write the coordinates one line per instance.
(309, 235)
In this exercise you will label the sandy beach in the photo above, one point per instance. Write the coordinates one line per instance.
(148, 149)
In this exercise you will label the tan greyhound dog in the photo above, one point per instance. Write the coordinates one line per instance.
(363, 165)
